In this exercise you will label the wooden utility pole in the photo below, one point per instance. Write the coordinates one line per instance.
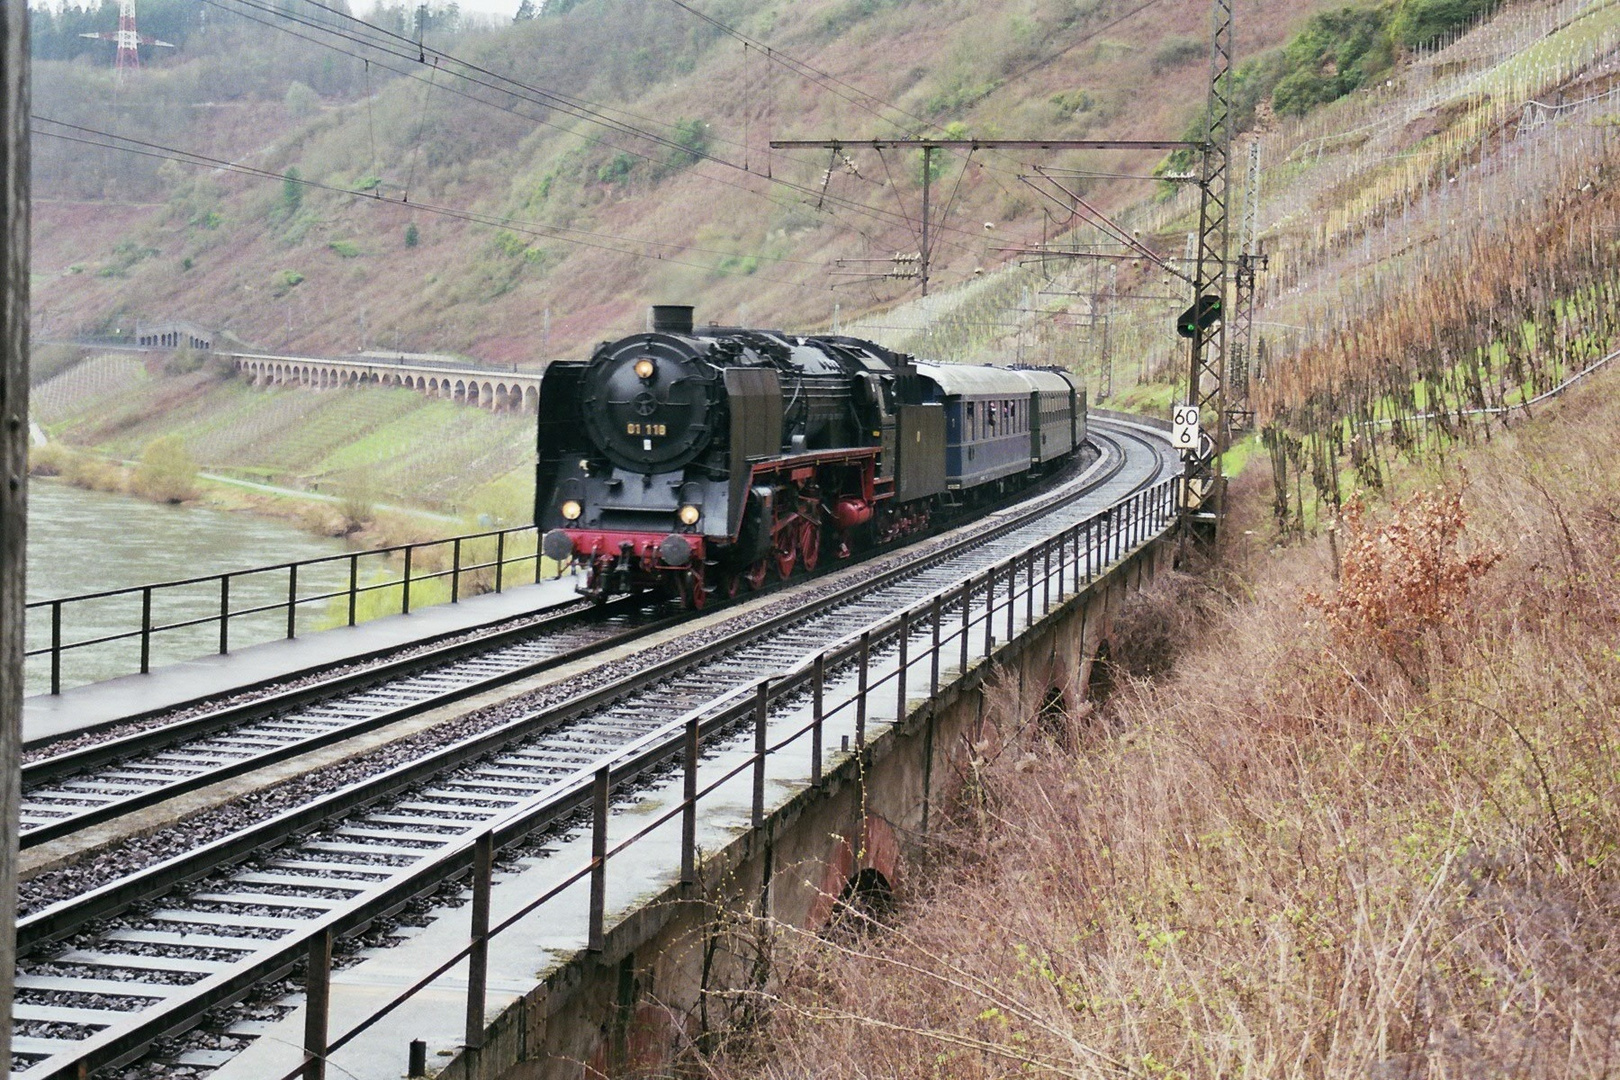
(13, 469)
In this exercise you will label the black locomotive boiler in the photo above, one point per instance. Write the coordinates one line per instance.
(702, 460)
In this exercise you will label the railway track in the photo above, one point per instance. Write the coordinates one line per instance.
(105, 779)
(108, 972)
(96, 780)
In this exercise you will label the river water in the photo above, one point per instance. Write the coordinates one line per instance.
(89, 541)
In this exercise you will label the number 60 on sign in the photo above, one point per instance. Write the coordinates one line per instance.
(1184, 427)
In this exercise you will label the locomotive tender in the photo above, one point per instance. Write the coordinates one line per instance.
(699, 460)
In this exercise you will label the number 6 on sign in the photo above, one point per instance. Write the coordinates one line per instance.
(1184, 430)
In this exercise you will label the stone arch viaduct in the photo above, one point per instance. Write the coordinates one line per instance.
(497, 391)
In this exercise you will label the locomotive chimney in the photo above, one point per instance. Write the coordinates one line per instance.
(672, 318)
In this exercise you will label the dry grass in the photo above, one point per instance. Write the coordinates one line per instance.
(1292, 857)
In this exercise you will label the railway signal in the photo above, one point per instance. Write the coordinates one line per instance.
(1201, 316)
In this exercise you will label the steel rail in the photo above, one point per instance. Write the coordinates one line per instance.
(127, 750)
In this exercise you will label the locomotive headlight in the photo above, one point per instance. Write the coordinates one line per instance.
(644, 368)
(689, 514)
(571, 510)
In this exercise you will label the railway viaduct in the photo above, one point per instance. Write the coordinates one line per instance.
(626, 1007)
(625, 896)
(480, 387)
(666, 925)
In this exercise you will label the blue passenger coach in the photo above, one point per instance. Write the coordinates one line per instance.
(987, 422)
(1057, 414)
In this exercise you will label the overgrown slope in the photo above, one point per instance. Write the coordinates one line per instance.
(1369, 833)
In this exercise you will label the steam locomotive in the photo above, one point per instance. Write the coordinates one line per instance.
(698, 461)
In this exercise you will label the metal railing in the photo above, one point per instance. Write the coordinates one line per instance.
(281, 592)
(955, 626)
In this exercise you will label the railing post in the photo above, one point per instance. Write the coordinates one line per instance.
(905, 662)
(1029, 589)
(224, 614)
(146, 629)
(967, 617)
(56, 646)
(989, 612)
(455, 571)
(478, 957)
(1046, 578)
(818, 683)
(860, 692)
(599, 821)
(933, 665)
(1062, 544)
(292, 600)
(1011, 593)
(1081, 529)
(317, 1004)
(689, 807)
(405, 596)
(354, 583)
(500, 558)
(539, 563)
(1089, 542)
(761, 711)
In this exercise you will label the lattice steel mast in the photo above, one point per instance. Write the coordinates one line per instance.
(1250, 261)
(128, 40)
(1207, 361)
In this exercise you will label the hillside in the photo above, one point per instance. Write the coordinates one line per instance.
(1383, 149)
(1320, 829)
(609, 153)
(373, 445)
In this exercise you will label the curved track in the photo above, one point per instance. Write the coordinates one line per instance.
(150, 953)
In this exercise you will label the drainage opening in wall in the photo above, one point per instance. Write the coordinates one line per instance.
(1100, 681)
(1053, 716)
(867, 900)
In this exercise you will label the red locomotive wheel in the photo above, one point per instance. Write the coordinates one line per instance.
(730, 584)
(755, 574)
(786, 553)
(810, 546)
(694, 594)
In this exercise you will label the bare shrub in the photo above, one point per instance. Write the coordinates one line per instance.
(49, 459)
(166, 472)
(357, 501)
(1406, 573)
(1155, 623)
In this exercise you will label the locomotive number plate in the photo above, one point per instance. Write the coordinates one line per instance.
(646, 429)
